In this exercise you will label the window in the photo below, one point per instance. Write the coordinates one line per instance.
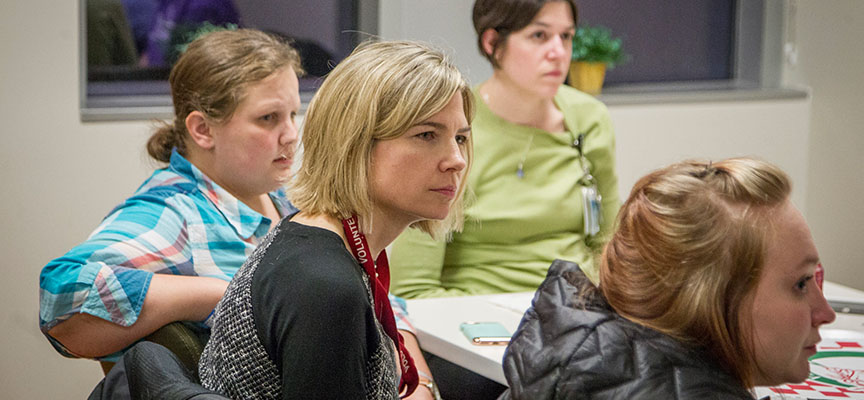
(698, 44)
(684, 46)
(129, 46)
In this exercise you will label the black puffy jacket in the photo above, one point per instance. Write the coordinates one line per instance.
(569, 347)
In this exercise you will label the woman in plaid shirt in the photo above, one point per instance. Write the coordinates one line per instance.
(166, 253)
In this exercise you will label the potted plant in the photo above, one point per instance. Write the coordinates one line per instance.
(594, 50)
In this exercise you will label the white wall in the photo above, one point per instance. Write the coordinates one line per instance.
(446, 23)
(828, 36)
(651, 136)
(61, 176)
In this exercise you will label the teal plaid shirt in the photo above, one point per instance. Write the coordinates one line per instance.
(178, 222)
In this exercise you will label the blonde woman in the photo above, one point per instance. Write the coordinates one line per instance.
(708, 287)
(386, 146)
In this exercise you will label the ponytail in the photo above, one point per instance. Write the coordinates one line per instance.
(163, 141)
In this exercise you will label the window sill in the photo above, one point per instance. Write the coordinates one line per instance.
(694, 93)
(149, 107)
(107, 103)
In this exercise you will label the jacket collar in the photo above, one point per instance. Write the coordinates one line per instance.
(244, 220)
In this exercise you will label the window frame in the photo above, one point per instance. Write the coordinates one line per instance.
(757, 65)
(159, 106)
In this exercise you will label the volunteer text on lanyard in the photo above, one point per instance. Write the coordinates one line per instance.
(379, 278)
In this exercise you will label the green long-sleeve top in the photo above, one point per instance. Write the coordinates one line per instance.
(515, 227)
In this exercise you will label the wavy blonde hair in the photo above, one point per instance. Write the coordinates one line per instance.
(376, 93)
(688, 251)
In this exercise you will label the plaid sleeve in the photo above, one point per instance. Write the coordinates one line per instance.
(108, 275)
(400, 313)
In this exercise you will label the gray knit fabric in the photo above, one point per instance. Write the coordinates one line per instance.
(235, 362)
(382, 364)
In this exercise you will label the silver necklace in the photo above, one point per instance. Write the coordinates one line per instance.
(520, 171)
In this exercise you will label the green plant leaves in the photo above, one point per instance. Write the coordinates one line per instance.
(596, 44)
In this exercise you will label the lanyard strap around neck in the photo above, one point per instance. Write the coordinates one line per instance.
(578, 144)
(379, 279)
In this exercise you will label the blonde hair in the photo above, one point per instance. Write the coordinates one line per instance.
(212, 76)
(377, 93)
(688, 250)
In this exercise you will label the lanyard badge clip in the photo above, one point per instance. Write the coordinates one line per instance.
(591, 198)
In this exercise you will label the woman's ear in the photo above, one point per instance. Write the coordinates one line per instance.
(199, 130)
(488, 39)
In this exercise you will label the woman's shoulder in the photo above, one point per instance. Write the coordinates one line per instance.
(576, 104)
(308, 258)
(571, 324)
(583, 112)
(306, 276)
(165, 189)
(164, 195)
(166, 181)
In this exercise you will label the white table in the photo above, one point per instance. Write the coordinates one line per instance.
(437, 323)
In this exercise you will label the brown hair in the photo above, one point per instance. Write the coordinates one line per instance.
(377, 93)
(506, 17)
(688, 250)
(212, 76)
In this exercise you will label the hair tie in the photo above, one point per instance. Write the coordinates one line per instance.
(708, 170)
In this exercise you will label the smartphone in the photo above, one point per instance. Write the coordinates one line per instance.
(485, 333)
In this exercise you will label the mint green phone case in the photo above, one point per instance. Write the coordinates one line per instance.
(492, 333)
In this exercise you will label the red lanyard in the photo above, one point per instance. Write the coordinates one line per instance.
(379, 279)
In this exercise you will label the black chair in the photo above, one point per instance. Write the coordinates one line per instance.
(186, 340)
(162, 366)
(154, 372)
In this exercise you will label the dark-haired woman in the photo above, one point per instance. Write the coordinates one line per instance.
(544, 178)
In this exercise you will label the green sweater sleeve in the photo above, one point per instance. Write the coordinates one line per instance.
(421, 261)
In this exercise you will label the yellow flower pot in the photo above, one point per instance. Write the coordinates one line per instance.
(587, 76)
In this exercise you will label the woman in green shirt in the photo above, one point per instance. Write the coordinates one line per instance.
(544, 151)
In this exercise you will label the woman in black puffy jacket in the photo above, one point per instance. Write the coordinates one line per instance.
(710, 285)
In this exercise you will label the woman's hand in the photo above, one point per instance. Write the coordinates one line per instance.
(421, 393)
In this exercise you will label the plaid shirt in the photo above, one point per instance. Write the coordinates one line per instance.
(178, 222)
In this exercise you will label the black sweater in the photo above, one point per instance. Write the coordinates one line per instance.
(297, 322)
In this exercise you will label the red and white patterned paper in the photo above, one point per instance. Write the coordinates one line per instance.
(836, 372)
